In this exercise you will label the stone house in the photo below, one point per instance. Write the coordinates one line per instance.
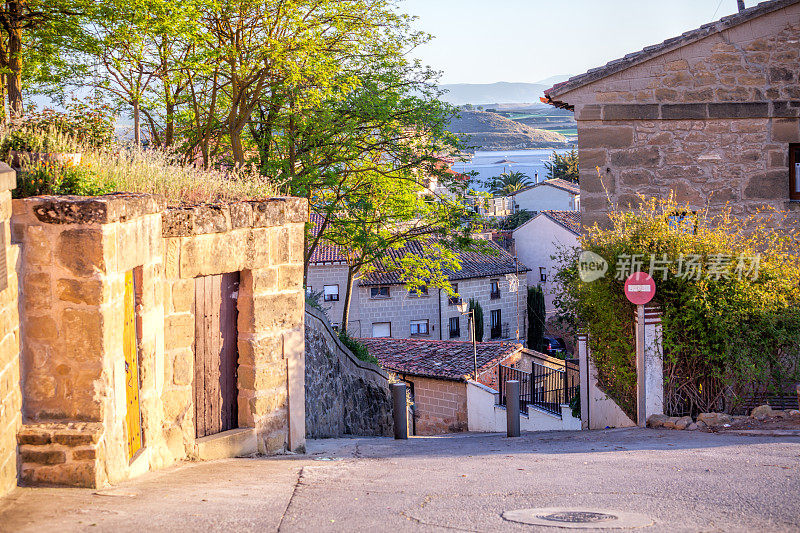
(538, 240)
(711, 116)
(382, 306)
(136, 335)
(553, 194)
(437, 373)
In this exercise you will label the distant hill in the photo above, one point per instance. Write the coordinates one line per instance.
(498, 93)
(492, 93)
(490, 131)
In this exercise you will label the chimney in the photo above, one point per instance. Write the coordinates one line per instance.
(740, 3)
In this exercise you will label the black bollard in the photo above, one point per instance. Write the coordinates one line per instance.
(399, 410)
(512, 408)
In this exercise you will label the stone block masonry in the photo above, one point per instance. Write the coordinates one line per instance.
(708, 117)
(68, 414)
(10, 393)
(344, 396)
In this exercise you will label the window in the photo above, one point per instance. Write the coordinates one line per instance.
(794, 172)
(542, 274)
(495, 289)
(454, 300)
(496, 324)
(335, 327)
(455, 327)
(331, 293)
(420, 291)
(419, 327)
(309, 290)
(382, 329)
(683, 221)
(379, 292)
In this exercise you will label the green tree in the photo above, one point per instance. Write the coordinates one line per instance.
(475, 306)
(508, 183)
(563, 166)
(536, 318)
(33, 35)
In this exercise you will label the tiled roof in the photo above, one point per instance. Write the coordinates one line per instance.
(552, 94)
(569, 219)
(473, 265)
(437, 359)
(558, 183)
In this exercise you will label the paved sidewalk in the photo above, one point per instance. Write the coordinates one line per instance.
(681, 481)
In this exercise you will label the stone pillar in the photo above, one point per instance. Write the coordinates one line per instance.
(10, 395)
(583, 366)
(649, 364)
(75, 255)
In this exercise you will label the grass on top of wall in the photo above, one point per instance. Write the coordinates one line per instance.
(144, 171)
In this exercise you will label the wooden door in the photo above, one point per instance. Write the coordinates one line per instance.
(133, 417)
(215, 353)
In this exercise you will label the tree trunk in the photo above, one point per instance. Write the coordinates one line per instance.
(347, 297)
(14, 77)
(137, 127)
(236, 147)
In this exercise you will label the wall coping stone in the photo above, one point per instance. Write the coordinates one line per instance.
(8, 177)
(222, 217)
(316, 313)
(92, 210)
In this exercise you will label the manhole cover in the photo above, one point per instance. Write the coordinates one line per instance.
(577, 518)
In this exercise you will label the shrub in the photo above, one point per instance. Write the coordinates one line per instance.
(536, 318)
(725, 336)
(358, 349)
(474, 305)
(50, 178)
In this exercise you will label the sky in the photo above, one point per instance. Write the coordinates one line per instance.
(486, 41)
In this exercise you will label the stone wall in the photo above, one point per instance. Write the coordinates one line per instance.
(709, 121)
(264, 241)
(344, 395)
(75, 255)
(10, 394)
(402, 307)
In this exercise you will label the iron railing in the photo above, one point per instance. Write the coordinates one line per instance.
(549, 384)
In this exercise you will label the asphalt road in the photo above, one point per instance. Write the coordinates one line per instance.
(679, 481)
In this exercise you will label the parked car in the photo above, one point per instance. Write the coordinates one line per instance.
(555, 346)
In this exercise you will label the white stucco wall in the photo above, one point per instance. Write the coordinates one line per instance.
(545, 197)
(536, 242)
(483, 415)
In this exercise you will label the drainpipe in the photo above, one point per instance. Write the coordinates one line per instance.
(440, 315)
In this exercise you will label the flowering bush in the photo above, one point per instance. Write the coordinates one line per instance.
(82, 126)
(729, 294)
(53, 178)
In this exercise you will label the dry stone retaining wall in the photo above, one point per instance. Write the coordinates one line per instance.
(344, 395)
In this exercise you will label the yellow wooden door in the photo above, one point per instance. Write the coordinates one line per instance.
(133, 419)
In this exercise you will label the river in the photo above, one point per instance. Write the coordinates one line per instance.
(490, 164)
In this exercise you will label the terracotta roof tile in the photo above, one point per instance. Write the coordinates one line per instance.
(473, 264)
(569, 219)
(437, 359)
(558, 183)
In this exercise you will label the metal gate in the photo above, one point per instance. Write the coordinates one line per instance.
(215, 353)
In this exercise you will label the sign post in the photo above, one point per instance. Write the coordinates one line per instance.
(640, 290)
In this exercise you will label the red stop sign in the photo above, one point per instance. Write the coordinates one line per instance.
(640, 288)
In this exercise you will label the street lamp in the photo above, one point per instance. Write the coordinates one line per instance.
(464, 309)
